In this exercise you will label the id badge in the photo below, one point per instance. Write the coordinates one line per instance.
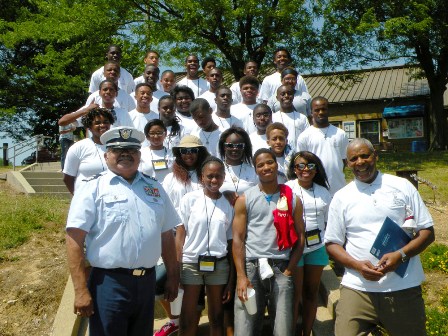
(206, 263)
(313, 237)
(160, 164)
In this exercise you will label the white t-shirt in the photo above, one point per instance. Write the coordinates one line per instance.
(187, 123)
(295, 122)
(301, 103)
(239, 178)
(244, 113)
(177, 189)
(225, 123)
(258, 141)
(272, 82)
(330, 145)
(210, 97)
(208, 232)
(84, 159)
(283, 163)
(315, 201)
(199, 86)
(163, 163)
(209, 139)
(140, 80)
(125, 82)
(236, 93)
(123, 100)
(355, 217)
(140, 119)
(173, 140)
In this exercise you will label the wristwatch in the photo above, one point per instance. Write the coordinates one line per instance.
(404, 257)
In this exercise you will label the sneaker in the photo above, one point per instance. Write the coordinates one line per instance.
(168, 329)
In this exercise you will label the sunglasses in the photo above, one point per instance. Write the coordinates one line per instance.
(193, 150)
(302, 166)
(228, 145)
(131, 151)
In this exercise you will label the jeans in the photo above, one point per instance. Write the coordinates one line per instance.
(65, 145)
(277, 293)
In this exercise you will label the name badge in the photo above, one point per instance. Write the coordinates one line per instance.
(313, 237)
(206, 263)
(160, 164)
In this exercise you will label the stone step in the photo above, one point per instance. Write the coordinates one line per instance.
(45, 181)
(49, 188)
(65, 194)
(42, 174)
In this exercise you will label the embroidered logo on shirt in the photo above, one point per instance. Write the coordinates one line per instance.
(151, 191)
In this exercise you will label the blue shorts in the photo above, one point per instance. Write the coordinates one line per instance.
(318, 257)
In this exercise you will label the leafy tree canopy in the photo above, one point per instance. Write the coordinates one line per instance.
(49, 48)
(372, 31)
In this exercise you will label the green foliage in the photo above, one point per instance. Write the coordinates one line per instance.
(371, 32)
(21, 215)
(233, 31)
(437, 320)
(48, 49)
(48, 52)
(435, 258)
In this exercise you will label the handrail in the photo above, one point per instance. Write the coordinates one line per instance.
(25, 146)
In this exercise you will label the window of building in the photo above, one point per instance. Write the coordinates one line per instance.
(402, 128)
(370, 129)
(350, 129)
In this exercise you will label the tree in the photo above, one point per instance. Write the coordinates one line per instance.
(49, 48)
(47, 54)
(380, 31)
(232, 30)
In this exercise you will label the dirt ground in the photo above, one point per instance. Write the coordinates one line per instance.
(33, 277)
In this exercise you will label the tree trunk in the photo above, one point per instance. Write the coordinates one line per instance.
(437, 116)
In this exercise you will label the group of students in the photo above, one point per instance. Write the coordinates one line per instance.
(202, 143)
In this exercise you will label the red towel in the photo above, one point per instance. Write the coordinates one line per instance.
(284, 219)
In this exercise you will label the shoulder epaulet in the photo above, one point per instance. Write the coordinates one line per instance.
(150, 177)
(93, 177)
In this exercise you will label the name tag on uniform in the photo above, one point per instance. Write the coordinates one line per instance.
(206, 263)
(160, 164)
(313, 237)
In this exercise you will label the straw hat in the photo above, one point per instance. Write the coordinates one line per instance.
(188, 141)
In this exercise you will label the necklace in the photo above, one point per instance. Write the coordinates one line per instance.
(207, 137)
(98, 153)
(268, 197)
(209, 220)
(326, 131)
(220, 120)
(235, 179)
(303, 203)
(293, 121)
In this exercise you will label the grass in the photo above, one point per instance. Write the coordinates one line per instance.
(21, 215)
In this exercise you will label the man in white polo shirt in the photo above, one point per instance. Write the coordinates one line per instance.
(372, 293)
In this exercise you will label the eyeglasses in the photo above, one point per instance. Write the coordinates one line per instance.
(302, 166)
(131, 151)
(193, 150)
(156, 133)
(262, 115)
(228, 145)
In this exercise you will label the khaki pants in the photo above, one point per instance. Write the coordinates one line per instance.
(400, 312)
